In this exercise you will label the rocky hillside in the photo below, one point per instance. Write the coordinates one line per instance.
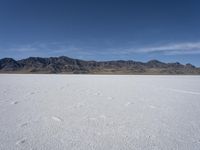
(75, 66)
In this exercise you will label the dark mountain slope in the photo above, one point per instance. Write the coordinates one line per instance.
(68, 65)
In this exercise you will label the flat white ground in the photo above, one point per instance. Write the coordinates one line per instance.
(101, 112)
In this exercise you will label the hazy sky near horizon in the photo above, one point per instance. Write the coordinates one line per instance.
(167, 30)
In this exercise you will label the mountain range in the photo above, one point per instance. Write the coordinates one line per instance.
(66, 65)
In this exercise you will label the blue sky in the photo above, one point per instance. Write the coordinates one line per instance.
(101, 29)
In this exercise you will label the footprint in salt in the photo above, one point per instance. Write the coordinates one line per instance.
(102, 117)
(98, 133)
(109, 98)
(152, 106)
(79, 105)
(14, 103)
(4, 92)
(97, 93)
(87, 92)
(128, 103)
(32, 93)
(92, 119)
(24, 124)
(62, 88)
(56, 119)
(22, 141)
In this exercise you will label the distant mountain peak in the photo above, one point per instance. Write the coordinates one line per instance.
(154, 61)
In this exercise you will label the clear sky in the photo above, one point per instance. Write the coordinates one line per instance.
(167, 30)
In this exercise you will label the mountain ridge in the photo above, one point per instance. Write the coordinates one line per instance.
(67, 65)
